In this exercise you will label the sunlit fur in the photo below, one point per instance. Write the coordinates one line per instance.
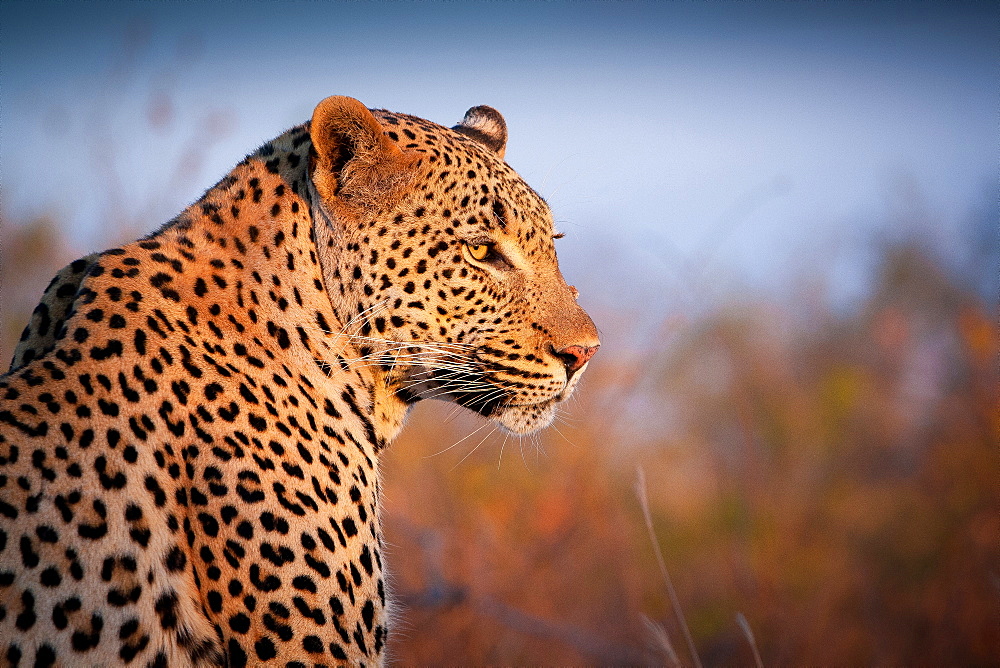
(191, 431)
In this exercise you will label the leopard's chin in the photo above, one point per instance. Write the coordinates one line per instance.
(521, 420)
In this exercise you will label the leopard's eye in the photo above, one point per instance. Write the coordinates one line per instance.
(479, 251)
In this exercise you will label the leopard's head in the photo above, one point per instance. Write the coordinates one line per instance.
(441, 264)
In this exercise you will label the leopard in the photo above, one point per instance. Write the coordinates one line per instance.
(192, 424)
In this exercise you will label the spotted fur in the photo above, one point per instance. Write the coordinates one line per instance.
(191, 427)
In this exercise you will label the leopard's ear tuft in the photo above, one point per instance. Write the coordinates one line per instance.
(354, 159)
(486, 126)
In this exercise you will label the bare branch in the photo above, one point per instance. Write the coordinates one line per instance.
(640, 492)
(748, 632)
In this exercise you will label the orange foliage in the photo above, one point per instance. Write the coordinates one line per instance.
(840, 488)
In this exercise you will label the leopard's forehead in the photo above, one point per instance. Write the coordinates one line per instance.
(468, 182)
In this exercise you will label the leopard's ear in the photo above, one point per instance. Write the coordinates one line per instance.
(486, 126)
(355, 162)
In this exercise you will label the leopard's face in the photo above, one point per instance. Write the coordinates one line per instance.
(453, 286)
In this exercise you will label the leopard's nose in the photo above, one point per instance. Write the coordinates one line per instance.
(574, 357)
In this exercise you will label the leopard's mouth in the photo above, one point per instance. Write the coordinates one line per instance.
(470, 386)
(494, 402)
(471, 390)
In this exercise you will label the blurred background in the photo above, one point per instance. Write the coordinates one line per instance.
(784, 219)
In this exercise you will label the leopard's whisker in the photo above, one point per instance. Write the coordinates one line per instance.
(469, 454)
(464, 438)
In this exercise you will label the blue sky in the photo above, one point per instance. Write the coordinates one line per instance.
(755, 142)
